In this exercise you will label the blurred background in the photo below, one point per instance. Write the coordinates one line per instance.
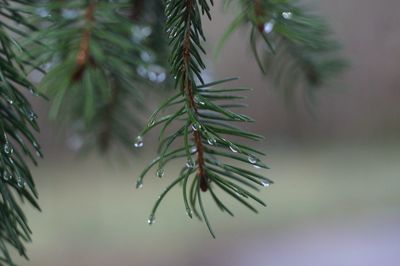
(335, 200)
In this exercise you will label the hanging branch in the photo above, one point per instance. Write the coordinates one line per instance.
(205, 132)
(297, 50)
(17, 124)
(98, 65)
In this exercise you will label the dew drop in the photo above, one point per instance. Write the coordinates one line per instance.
(160, 172)
(43, 12)
(265, 183)
(139, 33)
(287, 15)
(233, 148)
(32, 116)
(8, 149)
(21, 182)
(193, 149)
(68, 13)
(151, 219)
(211, 141)
(196, 126)
(139, 183)
(156, 74)
(138, 142)
(189, 212)
(252, 159)
(190, 163)
(151, 123)
(269, 26)
(198, 100)
(146, 56)
(6, 176)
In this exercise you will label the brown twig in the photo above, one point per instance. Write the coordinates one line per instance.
(188, 90)
(83, 57)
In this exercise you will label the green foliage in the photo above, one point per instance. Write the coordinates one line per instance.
(99, 62)
(101, 58)
(17, 123)
(295, 48)
(211, 146)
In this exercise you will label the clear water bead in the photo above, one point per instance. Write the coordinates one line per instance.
(190, 163)
(198, 100)
(68, 13)
(252, 159)
(233, 148)
(160, 172)
(265, 183)
(6, 176)
(21, 182)
(189, 212)
(287, 15)
(196, 126)
(151, 219)
(8, 149)
(32, 116)
(193, 149)
(139, 183)
(211, 141)
(269, 26)
(138, 142)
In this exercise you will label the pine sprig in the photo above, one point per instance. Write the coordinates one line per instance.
(98, 66)
(212, 148)
(17, 124)
(292, 46)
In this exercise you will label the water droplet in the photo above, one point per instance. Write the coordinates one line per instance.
(146, 56)
(68, 13)
(193, 149)
(142, 71)
(10, 101)
(32, 116)
(156, 74)
(190, 163)
(21, 182)
(233, 148)
(287, 15)
(151, 123)
(196, 126)
(8, 149)
(151, 219)
(33, 92)
(252, 159)
(138, 142)
(6, 176)
(256, 166)
(74, 142)
(189, 212)
(139, 183)
(269, 26)
(139, 33)
(211, 141)
(198, 100)
(43, 12)
(265, 183)
(160, 172)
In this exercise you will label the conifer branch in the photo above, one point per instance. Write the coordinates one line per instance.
(17, 127)
(205, 132)
(297, 49)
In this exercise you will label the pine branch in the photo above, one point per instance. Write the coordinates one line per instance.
(100, 64)
(17, 124)
(205, 133)
(297, 49)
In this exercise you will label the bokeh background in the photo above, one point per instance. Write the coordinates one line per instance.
(336, 200)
